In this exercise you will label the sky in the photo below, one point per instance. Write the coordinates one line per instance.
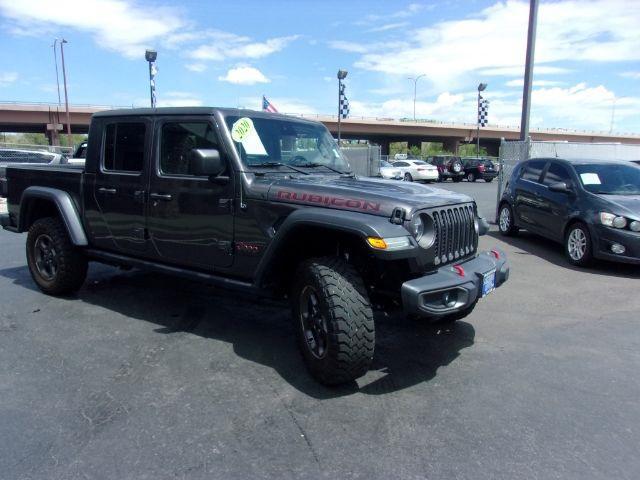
(230, 53)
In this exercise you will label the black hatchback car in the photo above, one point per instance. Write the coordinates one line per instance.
(591, 206)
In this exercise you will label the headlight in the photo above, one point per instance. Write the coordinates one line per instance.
(611, 220)
(416, 227)
(635, 226)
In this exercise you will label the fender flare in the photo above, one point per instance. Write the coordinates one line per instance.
(359, 224)
(66, 208)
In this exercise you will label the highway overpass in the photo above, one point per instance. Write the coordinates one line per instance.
(45, 118)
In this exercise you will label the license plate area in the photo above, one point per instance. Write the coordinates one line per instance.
(488, 282)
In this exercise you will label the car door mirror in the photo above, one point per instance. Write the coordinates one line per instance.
(206, 163)
(560, 187)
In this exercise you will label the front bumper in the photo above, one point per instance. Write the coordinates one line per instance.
(603, 237)
(420, 296)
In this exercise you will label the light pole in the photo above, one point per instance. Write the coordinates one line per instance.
(66, 97)
(415, 86)
(55, 61)
(528, 70)
(150, 56)
(342, 74)
(481, 88)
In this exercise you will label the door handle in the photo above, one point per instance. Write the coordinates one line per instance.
(161, 196)
(110, 191)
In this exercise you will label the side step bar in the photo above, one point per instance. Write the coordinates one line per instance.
(223, 282)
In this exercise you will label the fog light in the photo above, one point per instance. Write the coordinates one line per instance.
(635, 226)
(449, 298)
(617, 248)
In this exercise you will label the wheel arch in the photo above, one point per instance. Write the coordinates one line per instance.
(40, 202)
(314, 232)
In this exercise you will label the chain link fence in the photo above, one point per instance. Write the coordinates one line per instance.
(514, 152)
(364, 161)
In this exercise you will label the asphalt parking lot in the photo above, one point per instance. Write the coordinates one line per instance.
(145, 376)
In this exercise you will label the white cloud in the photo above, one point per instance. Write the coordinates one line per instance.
(244, 75)
(226, 45)
(519, 82)
(399, 108)
(388, 26)
(196, 67)
(495, 41)
(118, 25)
(633, 75)
(7, 78)
(178, 99)
(128, 27)
(519, 71)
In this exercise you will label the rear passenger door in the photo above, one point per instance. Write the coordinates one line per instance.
(190, 219)
(118, 188)
(527, 192)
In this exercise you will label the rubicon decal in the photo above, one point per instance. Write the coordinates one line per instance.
(312, 198)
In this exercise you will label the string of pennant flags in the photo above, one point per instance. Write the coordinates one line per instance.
(344, 103)
(483, 111)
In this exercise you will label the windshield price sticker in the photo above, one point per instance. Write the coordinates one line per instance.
(244, 132)
(590, 179)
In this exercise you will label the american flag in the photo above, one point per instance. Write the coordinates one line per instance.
(268, 106)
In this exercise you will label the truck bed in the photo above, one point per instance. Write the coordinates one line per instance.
(67, 178)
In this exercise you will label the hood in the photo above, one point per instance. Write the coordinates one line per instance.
(627, 205)
(369, 195)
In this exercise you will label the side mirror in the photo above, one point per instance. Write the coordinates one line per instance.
(205, 162)
(560, 187)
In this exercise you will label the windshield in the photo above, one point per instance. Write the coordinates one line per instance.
(610, 178)
(275, 142)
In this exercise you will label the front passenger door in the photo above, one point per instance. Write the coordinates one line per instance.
(190, 219)
(555, 206)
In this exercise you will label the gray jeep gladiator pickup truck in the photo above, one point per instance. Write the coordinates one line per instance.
(261, 203)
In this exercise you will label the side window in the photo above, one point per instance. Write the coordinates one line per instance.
(400, 164)
(124, 147)
(532, 170)
(556, 173)
(177, 139)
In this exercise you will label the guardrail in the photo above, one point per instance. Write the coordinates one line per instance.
(319, 116)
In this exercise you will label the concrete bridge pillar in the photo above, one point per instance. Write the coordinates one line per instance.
(451, 145)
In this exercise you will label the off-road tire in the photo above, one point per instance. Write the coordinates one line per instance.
(344, 305)
(587, 256)
(71, 269)
(471, 177)
(458, 178)
(507, 229)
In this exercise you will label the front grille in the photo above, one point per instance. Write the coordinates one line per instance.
(455, 233)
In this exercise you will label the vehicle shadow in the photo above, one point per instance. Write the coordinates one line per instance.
(552, 252)
(260, 330)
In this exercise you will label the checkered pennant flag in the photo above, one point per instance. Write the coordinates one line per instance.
(344, 103)
(483, 112)
(152, 80)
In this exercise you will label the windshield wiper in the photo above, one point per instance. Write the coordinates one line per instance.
(277, 164)
(316, 165)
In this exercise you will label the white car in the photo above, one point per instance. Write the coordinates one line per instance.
(389, 172)
(417, 170)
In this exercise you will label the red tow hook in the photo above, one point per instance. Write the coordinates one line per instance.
(496, 254)
(459, 270)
